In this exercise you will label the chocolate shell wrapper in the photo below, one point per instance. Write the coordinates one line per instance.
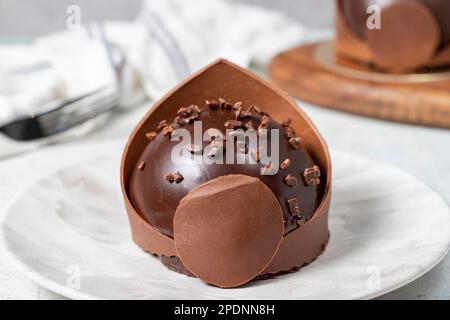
(413, 35)
(213, 250)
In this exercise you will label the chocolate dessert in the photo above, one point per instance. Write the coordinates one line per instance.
(411, 36)
(223, 207)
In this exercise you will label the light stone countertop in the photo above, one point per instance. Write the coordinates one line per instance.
(422, 152)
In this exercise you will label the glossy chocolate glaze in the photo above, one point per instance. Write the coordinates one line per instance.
(356, 15)
(156, 200)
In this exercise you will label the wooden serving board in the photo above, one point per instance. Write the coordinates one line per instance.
(311, 73)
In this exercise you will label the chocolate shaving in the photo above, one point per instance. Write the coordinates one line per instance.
(289, 133)
(151, 135)
(256, 109)
(224, 104)
(286, 163)
(178, 177)
(181, 121)
(162, 124)
(233, 124)
(263, 126)
(141, 165)
(169, 177)
(213, 105)
(295, 142)
(294, 208)
(168, 131)
(290, 180)
(237, 106)
(312, 176)
(264, 122)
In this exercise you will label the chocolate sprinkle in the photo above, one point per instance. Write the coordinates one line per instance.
(290, 180)
(244, 114)
(312, 176)
(294, 208)
(289, 133)
(213, 105)
(233, 124)
(237, 106)
(224, 104)
(141, 165)
(286, 163)
(295, 142)
(169, 177)
(178, 177)
(167, 131)
(151, 135)
(162, 124)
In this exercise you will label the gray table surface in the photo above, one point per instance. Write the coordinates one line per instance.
(422, 152)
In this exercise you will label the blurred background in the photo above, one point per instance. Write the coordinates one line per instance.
(44, 16)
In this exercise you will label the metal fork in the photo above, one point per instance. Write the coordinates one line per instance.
(66, 115)
(69, 113)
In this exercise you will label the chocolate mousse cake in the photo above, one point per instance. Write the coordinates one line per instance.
(411, 35)
(225, 179)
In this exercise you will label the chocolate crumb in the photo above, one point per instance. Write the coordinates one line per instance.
(181, 121)
(233, 124)
(290, 180)
(162, 124)
(151, 135)
(224, 104)
(289, 133)
(244, 114)
(286, 163)
(294, 208)
(237, 106)
(169, 177)
(295, 142)
(264, 122)
(286, 122)
(194, 148)
(169, 130)
(213, 105)
(178, 177)
(312, 175)
(141, 165)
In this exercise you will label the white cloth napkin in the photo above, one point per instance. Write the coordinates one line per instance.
(168, 40)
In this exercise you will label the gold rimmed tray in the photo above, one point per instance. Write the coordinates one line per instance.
(313, 73)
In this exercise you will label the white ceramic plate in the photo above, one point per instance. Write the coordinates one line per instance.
(70, 233)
